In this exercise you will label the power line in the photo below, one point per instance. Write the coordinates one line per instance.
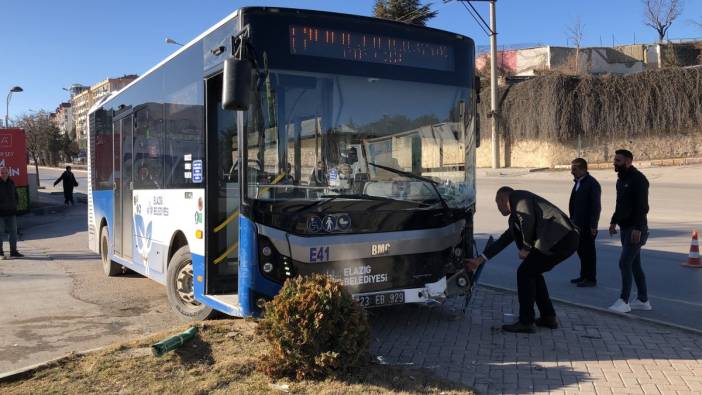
(476, 18)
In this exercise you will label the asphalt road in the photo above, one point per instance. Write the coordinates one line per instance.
(47, 176)
(57, 300)
(675, 291)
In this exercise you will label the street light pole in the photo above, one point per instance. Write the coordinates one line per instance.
(172, 41)
(493, 87)
(7, 104)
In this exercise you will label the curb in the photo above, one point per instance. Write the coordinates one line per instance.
(73, 168)
(21, 373)
(604, 310)
(644, 164)
(511, 171)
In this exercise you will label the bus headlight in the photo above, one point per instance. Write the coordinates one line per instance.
(457, 251)
(266, 251)
(267, 267)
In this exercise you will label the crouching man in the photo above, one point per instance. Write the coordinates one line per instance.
(545, 237)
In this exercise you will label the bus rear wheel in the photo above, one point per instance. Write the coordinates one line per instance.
(110, 268)
(180, 288)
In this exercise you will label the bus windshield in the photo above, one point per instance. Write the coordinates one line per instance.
(311, 136)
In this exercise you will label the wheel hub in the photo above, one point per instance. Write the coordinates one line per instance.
(184, 285)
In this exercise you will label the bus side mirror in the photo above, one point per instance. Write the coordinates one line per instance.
(477, 130)
(476, 85)
(477, 113)
(236, 92)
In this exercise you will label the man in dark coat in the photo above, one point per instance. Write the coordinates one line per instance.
(630, 215)
(8, 212)
(69, 182)
(585, 207)
(545, 237)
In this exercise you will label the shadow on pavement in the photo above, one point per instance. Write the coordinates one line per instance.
(65, 223)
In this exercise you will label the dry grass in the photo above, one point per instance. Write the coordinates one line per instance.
(560, 107)
(219, 360)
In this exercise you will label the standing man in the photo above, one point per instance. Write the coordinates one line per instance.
(69, 181)
(630, 215)
(545, 237)
(8, 212)
(585, 208)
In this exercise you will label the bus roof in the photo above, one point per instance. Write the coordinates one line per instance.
(240, 11)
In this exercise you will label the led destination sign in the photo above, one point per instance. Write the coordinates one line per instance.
(370, 48)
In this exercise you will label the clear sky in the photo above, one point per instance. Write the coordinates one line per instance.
(46, 45)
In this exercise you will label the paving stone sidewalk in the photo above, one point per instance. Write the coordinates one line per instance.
(592, 352)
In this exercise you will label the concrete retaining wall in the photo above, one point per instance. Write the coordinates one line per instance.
(533, 153)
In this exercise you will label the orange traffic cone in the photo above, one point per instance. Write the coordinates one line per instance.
(693, 260)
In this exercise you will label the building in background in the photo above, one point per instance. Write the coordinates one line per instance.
(84, 99)
(63, 119)
(679, 53)
(529, 62)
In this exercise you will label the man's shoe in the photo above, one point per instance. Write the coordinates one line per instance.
(16, 254)
(587, 284)
(576, 280)
(620, 306)
(637, 304)
(519, 327)
(547, 322)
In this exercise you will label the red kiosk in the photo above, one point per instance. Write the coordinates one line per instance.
(13, 155)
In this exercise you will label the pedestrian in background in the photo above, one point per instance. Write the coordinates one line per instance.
(69, 182)
(630, 216)
(545, 237)
(584, 208)
(8, 212)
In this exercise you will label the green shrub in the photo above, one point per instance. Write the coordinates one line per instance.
(314, 329)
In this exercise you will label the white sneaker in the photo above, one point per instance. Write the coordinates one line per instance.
(620, 306)
(636, 304)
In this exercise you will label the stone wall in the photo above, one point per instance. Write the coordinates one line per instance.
(533, 153)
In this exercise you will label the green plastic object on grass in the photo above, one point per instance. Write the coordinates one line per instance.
(173, 342)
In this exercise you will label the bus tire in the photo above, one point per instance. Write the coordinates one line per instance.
(110, 268)
(180, 286)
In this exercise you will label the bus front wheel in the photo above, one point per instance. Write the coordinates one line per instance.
(180, 288)
(110, 268)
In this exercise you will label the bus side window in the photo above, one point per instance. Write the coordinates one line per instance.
(148, 147)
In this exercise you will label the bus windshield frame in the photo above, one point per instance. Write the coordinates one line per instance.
(271, 119)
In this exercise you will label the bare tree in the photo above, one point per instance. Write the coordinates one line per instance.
(41, 135)
(660, 14)
(575, 35)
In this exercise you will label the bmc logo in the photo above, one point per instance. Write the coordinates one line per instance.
(5, 140)
(380, 249)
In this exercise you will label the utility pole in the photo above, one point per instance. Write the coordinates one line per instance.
(491, 30)
(493, 86)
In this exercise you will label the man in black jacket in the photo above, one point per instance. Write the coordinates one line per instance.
(545, 237)
(585, 208)
(630, 216)
(69, 181)
(8, 212)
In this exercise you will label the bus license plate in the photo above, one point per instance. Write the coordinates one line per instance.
(381, 299)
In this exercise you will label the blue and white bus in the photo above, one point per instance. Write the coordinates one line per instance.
(285, 142)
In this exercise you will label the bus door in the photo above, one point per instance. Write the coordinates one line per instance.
(123, 230)
(222, 194)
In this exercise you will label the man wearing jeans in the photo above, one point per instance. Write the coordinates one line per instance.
(630, 216)
(8, 212)
(545, 237)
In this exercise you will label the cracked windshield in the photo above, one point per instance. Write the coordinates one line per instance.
(318, 136)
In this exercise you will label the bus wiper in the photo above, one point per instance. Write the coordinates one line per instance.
(416, 177)
(354, 196)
